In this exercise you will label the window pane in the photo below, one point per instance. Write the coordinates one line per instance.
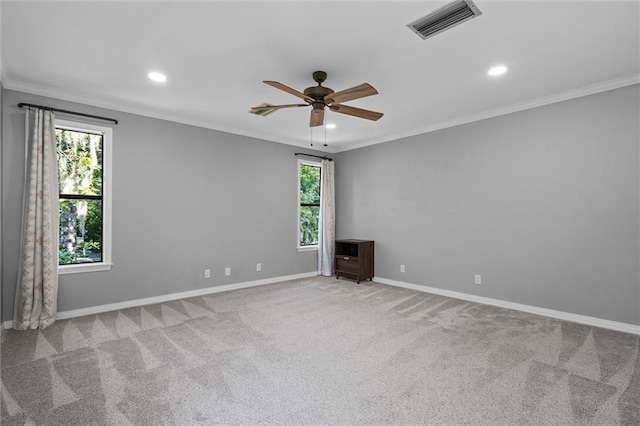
(79, 162)
(309, 217)
(309, 184)
(80, 231)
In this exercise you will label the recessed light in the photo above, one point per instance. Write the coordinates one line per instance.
(499, 70)
(330, 126)
(157, 77)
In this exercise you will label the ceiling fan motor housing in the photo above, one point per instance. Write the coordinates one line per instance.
(318, 93)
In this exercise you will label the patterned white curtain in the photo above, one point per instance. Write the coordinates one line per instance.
(37, 290)
(327, 225)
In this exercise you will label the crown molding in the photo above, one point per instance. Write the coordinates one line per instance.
(98, 102)
(114, 105)
(534, 103)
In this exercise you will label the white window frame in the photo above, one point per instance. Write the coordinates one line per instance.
(314, 164)
(107, 144)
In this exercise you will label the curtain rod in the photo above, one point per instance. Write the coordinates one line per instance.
(317, 156)
(22, 105)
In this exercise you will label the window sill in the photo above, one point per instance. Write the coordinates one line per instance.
(307, 248)
(85, 267)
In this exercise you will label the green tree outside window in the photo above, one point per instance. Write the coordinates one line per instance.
(80, 186)
(309, 204)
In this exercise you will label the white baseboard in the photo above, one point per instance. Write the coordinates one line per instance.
(173, 296)
(581, 319)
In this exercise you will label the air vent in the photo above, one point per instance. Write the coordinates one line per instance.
(263, 112)
(444, 18)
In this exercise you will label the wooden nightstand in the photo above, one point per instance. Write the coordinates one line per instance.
(354, 258)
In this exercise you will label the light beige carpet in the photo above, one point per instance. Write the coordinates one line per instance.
(319, 351)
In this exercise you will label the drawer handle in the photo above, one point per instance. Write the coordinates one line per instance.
(346, 258)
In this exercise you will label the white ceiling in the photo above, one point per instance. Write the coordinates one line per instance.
(216, 55)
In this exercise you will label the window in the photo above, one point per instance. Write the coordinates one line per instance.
(84, 181)
(309, 204)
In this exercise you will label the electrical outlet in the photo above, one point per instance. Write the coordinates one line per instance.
(402, 268)
(258, 267)
(207, 273)
(478, 279)
(227, 271)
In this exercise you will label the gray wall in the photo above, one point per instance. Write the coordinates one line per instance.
(543, 203)
(1, 203)
(184, 199)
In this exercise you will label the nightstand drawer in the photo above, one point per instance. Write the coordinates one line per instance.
(347, 264)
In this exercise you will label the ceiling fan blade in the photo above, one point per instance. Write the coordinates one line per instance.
(356, 92)
(357, 112)
(267, 106)
(317, 118)
(288, 89)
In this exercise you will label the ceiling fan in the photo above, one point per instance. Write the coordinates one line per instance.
(318, 97)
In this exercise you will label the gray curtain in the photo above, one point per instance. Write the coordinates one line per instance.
(327, 225)
(37, 287)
